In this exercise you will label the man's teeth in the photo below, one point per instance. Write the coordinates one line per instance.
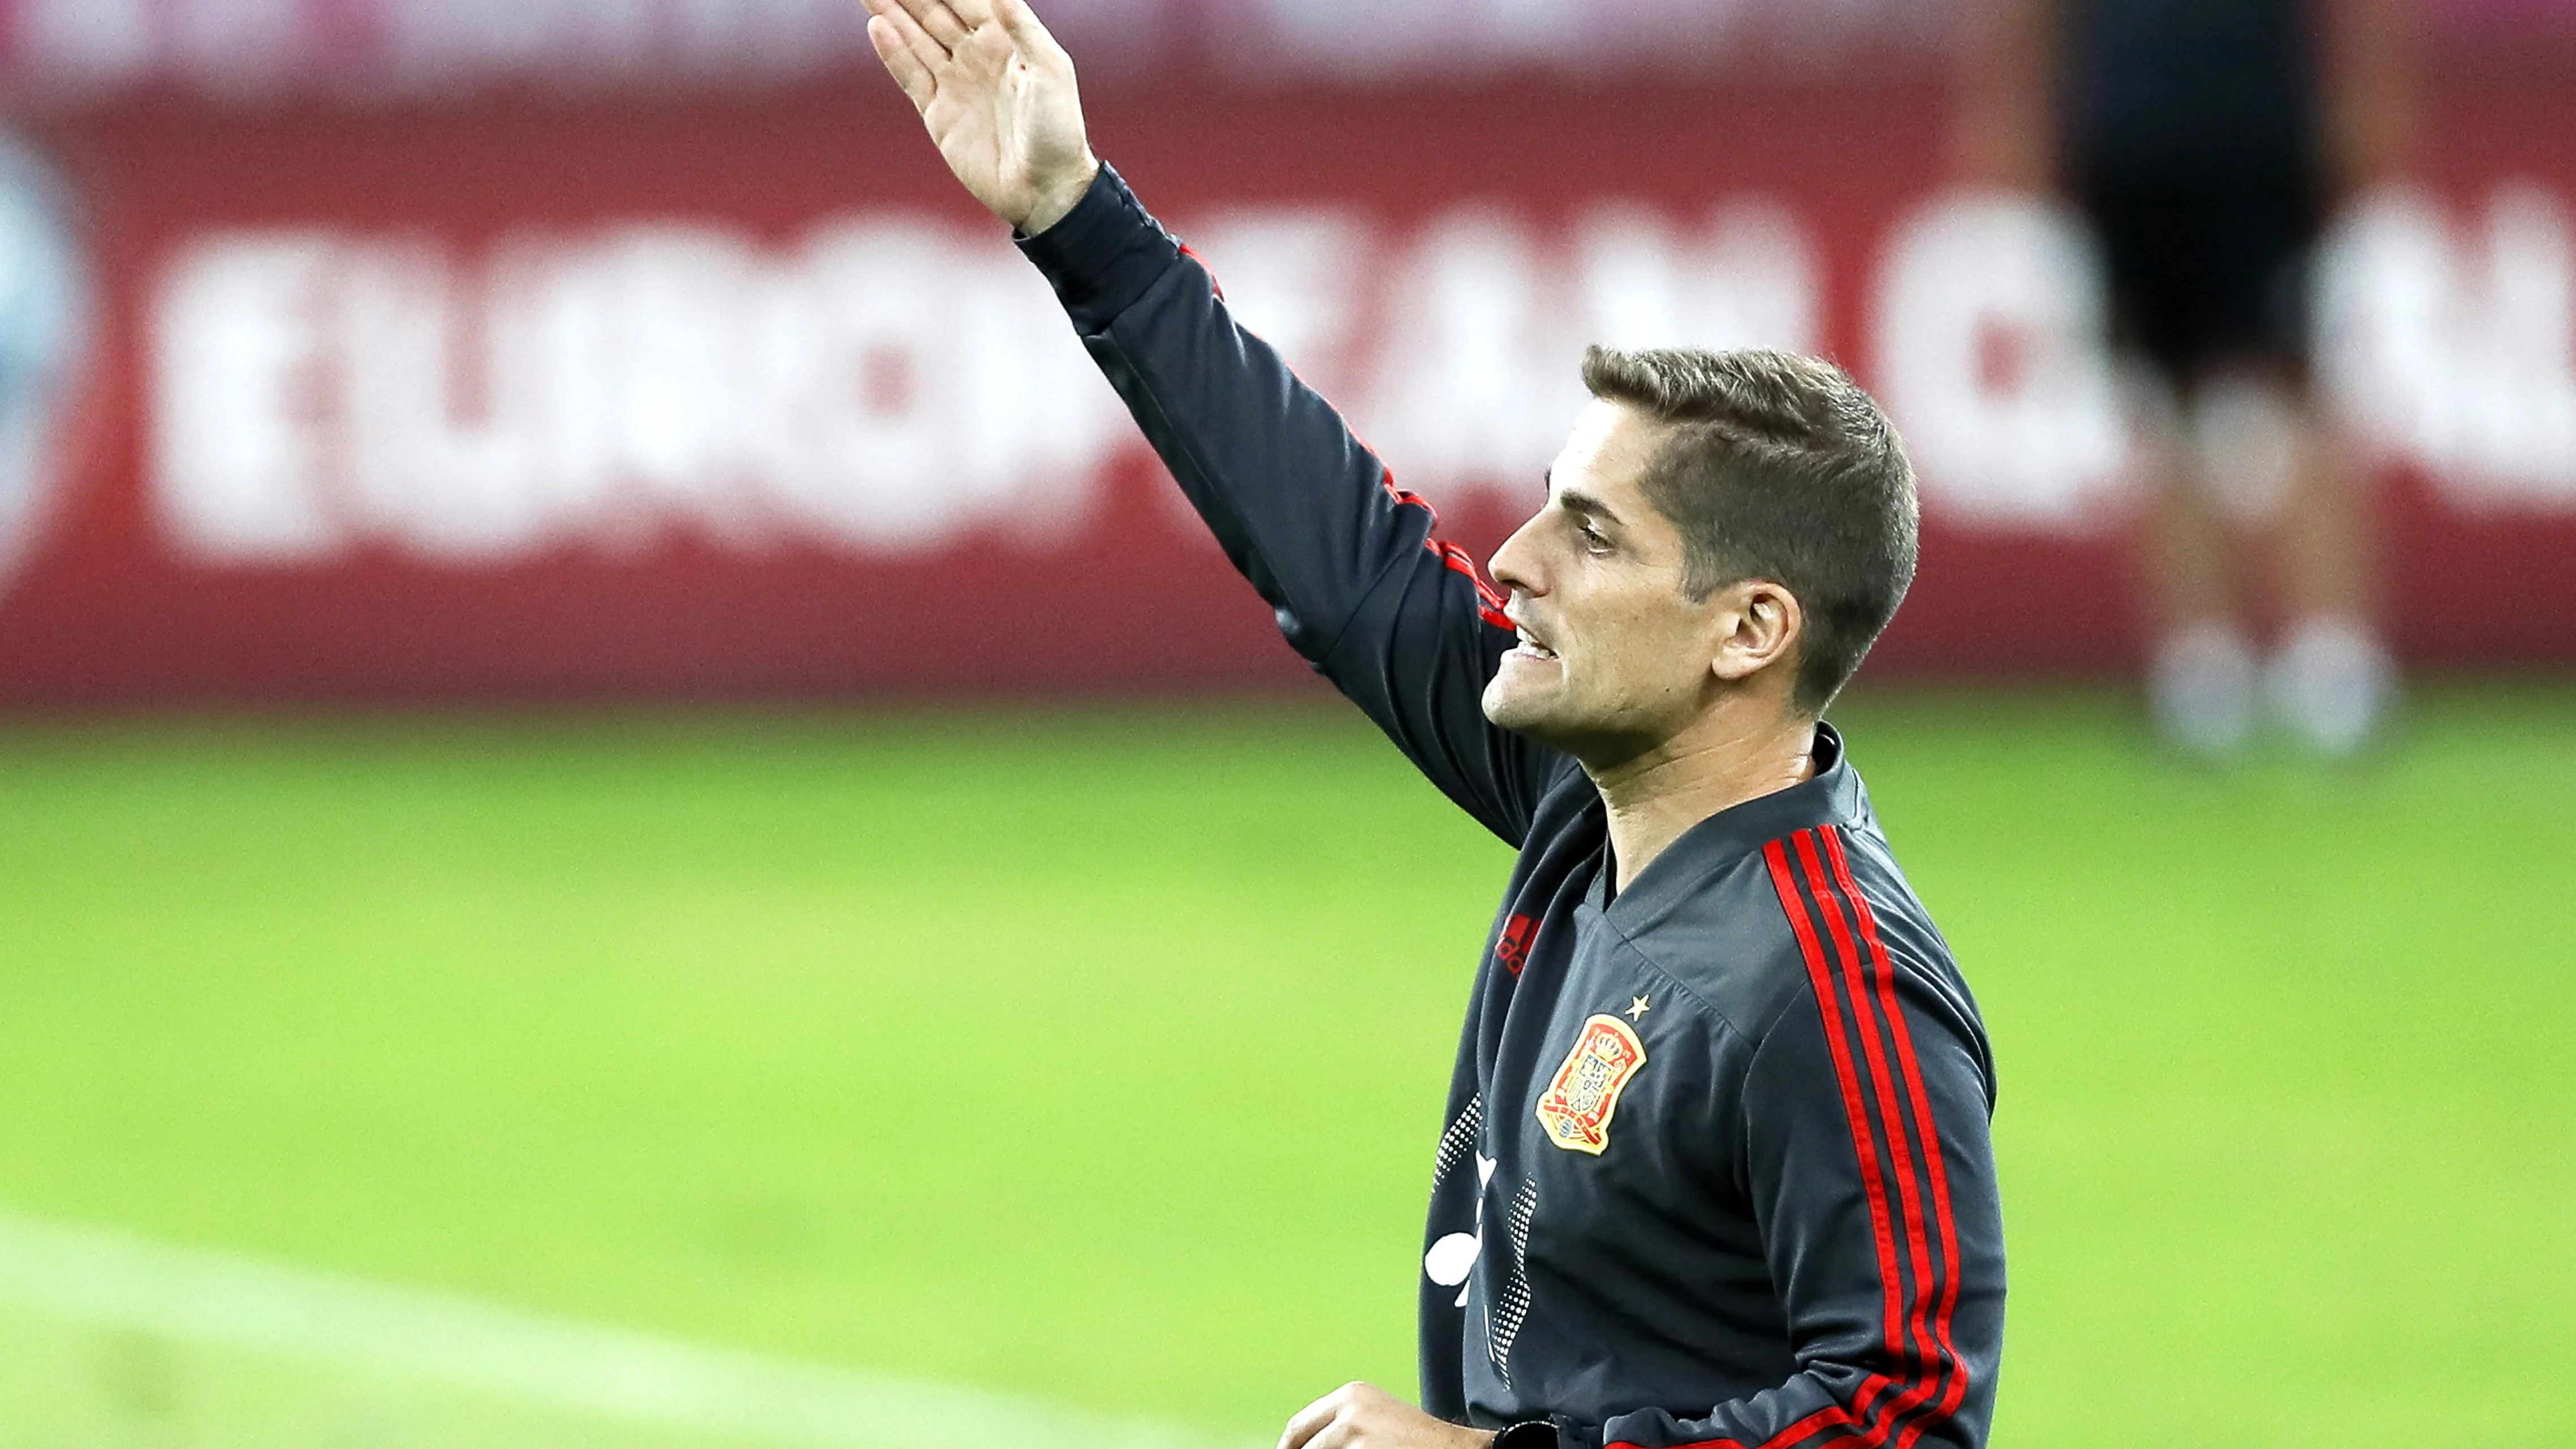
(1532, 646)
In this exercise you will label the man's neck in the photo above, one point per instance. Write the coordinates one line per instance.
(1726, 757)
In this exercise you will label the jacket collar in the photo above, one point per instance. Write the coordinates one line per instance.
(1831, 796)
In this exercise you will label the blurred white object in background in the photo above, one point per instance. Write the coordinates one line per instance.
(2331, 683)
(2201, 690)
(888, 385)
(1750, 278)
(2244, 432)
(2454, 347)
(1991, 357)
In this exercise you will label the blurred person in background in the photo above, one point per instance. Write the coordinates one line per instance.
(2207, 142)
(44, 323)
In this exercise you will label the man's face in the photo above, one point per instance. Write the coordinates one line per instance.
(1614, 657)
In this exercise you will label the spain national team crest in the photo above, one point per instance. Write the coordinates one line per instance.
(1577, 1105)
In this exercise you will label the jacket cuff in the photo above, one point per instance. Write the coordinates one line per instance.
(1103, 254)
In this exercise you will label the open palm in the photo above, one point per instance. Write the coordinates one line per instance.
(997, 95)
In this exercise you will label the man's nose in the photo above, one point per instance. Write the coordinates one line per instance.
(1514, 565)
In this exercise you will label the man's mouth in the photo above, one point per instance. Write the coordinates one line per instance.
(1530, 648)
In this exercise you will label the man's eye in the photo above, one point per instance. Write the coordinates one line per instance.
(1594, 537)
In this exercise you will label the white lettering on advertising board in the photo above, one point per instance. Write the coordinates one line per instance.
(893, 383)
(1990, 358)
(886, 387)
(2453, 346)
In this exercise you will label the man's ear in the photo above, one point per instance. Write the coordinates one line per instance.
(1760, 625)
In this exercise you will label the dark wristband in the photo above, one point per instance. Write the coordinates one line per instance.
(1535, 1434)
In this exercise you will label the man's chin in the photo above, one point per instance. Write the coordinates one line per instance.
(1546, 717)
(1521, 711)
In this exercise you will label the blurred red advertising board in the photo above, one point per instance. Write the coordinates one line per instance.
(55, 52)
(247, 51)
(611, 396)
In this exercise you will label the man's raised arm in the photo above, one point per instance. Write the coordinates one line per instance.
(1404, 624)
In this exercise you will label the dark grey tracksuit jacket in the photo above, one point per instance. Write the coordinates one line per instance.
(1716, 1169)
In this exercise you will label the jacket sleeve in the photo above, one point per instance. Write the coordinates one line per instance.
(1401, 622)
(1866, 1111)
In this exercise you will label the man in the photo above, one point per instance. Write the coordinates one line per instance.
(2206, 141)
(1717, 1169)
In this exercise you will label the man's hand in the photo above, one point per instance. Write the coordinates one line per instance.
(997, 93)
(1364, 1416)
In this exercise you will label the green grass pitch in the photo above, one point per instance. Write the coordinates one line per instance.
(1099, 1055)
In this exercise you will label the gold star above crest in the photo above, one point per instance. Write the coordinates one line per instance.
(1637, 1008)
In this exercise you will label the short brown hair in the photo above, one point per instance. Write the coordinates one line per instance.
(1777, 467)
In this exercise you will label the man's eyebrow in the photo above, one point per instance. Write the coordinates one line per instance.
(1577, 501)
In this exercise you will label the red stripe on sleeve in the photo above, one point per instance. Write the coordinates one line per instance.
(1864, 1140)
(1867, 973)
(1928, 1365)
(1489, 599)
(1925, 1130)
(1213, 284)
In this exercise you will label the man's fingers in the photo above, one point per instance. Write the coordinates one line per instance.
(940, 22)
(927, 54)
(1021, 23)
(1310, 1421)
(1016, 17)
(906, 67)
(1027, 34)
